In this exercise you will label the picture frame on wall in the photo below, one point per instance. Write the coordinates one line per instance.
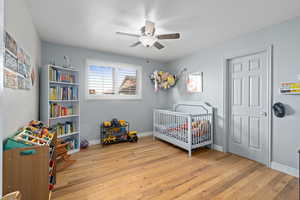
(11, 44)
(22, 69)
(21, 82)
(11, 62)
(21, 55)
(10, 79)
(195, 82)
(27, 59)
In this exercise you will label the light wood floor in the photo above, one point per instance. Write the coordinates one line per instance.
(158, 170)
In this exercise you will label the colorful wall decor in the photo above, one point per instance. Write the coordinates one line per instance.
(18, 72)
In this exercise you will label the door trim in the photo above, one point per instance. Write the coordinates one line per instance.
(226, 95)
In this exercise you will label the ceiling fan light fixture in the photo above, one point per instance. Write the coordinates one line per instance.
(148, 38)
(148, 41)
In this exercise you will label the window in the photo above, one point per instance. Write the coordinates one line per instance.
(113, 80)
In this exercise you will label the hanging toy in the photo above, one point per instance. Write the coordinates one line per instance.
(165, 80)
(171, 80)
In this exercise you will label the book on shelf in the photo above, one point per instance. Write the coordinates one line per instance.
(63, 93)
(61, 76)
(72, 143)
(64, 128)
(57, 110)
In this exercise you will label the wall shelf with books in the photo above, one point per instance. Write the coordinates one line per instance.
(290, 88)
(60, 103)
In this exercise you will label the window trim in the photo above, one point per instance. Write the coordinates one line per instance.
(114, 65)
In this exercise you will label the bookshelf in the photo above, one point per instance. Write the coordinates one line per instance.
(60, 103)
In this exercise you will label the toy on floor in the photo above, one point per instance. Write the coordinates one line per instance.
(84, 143)
(117, 131)
(36, 133)
(132, 136)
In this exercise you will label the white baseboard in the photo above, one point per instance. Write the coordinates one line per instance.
(145, 134)
(94, 142)
(218, 148)
(285, 169)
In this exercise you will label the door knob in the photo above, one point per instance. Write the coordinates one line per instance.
(264, 114)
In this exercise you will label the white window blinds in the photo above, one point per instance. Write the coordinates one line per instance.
(126, 81)
(113, 81)
(100, 80)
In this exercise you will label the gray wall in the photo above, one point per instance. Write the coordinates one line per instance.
(137, 112)
(286, 41)
(21, 106)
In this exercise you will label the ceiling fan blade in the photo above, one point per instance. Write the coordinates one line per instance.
(149, 28)
(169, 36)
(158, 45)
(128, 34)
(135, 44)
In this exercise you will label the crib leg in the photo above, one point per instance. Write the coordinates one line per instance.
(190, 152)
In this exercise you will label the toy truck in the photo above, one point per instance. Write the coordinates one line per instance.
(132, 136)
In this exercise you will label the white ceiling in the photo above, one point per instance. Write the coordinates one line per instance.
(92, 24)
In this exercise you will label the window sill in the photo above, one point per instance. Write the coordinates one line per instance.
(101, 98)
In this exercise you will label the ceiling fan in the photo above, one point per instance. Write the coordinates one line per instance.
(148, 38)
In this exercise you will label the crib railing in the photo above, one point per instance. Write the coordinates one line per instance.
(202, 128)
(172, 124)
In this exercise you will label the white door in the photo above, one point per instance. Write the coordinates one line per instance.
(249, 105)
